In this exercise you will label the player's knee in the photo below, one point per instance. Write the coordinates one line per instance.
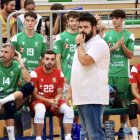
(10, 109)
(133, 110)
(68, 113)
(40, 111)
(27, 90)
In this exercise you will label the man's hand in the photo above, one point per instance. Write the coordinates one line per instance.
(80, 39)
(53, 103)
(17, 56)
(119, 44)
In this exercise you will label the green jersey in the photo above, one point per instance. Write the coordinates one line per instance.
(119, 62)
(9, 78)
(30, 48)
(66, 46)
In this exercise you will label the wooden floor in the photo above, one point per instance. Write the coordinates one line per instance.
(57, 128)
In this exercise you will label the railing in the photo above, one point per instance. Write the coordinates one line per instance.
(50, 12)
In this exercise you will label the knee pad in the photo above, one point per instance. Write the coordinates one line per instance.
(40, 111)
(68, 113)
(10, 109)
(27, 90)
(133, 110)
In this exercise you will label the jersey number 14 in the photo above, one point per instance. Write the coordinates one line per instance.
(6, 81)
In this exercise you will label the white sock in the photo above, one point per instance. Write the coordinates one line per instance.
(68, 137)
(10, 97)
(38, 138)
(11, 133)
(134, 132)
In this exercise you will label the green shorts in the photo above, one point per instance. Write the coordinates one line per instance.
(121, 83)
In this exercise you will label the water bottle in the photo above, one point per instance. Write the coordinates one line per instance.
(76, 131)
(127, 133)
(109, 127)
(82, 134)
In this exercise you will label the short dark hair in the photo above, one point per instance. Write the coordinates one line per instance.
(30, 14)
(57, 6)
(73, 14)
(28, 2)
(5, 2)
(118, 13)
(48, 52)
(86, 16)
(8, 45)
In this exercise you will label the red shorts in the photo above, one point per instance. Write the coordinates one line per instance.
(48, 107)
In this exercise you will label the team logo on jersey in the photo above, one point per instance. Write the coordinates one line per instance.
(22, 49)
(11, 73)
(36, 44)
(41, 80)
(54, 79)
(66, 45)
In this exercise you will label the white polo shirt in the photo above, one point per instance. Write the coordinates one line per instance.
(90, 83)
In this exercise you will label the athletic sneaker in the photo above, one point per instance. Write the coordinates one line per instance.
(68, 137)
(135, 138)
(124, 133)
(121, 134)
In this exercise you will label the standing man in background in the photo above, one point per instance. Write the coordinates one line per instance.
(29, 5)
(29, 43)
(7, 7)
(89, 77)
(65, 45)
(121, 45)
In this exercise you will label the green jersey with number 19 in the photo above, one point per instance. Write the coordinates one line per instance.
(119, 62)
(66, 46)
(30, 48)
(9, 78)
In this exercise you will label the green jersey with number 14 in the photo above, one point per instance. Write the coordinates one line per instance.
(9, 79)
(119, 62)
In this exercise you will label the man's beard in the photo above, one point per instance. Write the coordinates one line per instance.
(88, 36)
(74, 28)
(48, 67)
(9, 11)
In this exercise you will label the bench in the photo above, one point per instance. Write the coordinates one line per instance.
(108, 111)
(48, 114)
(125, 97)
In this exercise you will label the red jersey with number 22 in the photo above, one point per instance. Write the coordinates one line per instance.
(47, 83)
